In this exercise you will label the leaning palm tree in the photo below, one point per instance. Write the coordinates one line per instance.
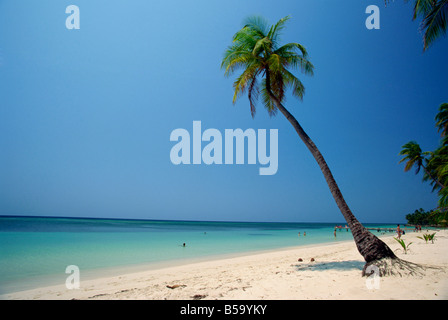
(256, 49)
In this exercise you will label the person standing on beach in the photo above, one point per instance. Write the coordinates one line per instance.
(398, 231)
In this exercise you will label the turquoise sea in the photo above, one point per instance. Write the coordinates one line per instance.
(35, 251)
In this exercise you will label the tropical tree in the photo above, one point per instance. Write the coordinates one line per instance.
(434, 163)
(442, 120)
(436, 170)
(438, 162)
(414, 157)
(266, 69)
(434, 15)
(420, 217)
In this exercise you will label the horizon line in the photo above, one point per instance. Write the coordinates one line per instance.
(182, 220)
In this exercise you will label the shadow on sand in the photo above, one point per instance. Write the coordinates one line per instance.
(335, 265)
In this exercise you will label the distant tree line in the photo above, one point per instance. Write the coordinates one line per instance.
(428, 218)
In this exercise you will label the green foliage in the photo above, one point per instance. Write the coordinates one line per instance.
(435, 22)
(442, 119)
(256, 50)
(420, 217)
(434, 163)
(403, 245)
(440, 217)
(437, 217)
(413, 155)
(428, 237)
(434, 15)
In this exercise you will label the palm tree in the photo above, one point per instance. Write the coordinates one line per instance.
(436, 165)
(435, 22)
(415, 157)
(434, 14)
(256, 50)
(437, 172)
(442, 119)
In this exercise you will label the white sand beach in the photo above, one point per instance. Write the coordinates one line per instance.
(335, 273)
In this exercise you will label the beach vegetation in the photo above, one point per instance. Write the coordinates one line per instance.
(403, 245)
(428, 237)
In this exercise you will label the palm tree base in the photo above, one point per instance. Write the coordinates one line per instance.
(394, 267)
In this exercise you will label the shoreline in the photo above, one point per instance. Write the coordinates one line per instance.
(275, 275)
(47, 281)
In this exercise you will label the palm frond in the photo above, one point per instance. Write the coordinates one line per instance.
(443, 197)
(274, 32)
(297, 87)
(243, 81)
(267, 101)
(292, 48)
(442, 119)
(257, 25)
(236, 60)
(435, 23)
(253, 93)
(262, 45)
(422, 8)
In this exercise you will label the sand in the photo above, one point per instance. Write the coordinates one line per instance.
(335, 273)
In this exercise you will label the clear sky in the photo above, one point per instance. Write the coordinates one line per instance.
(86, 115)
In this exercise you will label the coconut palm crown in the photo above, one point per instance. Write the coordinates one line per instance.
(256, 49)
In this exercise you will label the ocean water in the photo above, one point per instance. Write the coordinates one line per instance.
(35, 251)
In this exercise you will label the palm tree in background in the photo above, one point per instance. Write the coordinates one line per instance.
(266, 68)
(442, 120)
(434, 163)
(438, 163)
(414, 157)
(434, 14)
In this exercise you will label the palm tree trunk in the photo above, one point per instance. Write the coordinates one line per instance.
(369, 246)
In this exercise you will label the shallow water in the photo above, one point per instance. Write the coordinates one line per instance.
(35, 251)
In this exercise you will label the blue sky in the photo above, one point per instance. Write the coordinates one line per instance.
(86, 115)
